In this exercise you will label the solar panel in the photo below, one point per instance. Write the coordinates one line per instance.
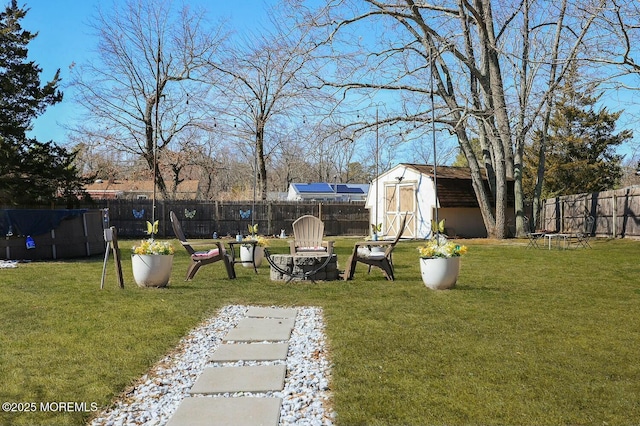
(314, 187)
(345, 189)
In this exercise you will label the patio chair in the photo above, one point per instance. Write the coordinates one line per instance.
(202, 257)
(581, 239)
(533, 236)
(308, 234)
(364, 252)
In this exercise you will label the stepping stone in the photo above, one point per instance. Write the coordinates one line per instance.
(260, 378)
(268, 322)
(272, 312)
(261, 329)
(241, 411)
(250, 352)
(258, 334)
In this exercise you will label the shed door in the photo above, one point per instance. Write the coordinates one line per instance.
(400, 200)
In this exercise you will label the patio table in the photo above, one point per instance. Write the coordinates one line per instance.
(234, 260)
(558, 237)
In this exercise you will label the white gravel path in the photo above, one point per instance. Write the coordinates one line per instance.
(306, 396)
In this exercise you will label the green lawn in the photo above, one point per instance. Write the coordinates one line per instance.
(528, 337)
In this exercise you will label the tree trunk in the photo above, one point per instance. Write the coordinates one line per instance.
(477, 181)
(502, 141)
(262, 166)
(151, 148)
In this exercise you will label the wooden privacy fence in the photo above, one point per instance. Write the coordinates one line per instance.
(616, 212)
(200, 219)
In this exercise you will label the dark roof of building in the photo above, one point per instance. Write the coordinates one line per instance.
(455, 188)
(445, 172)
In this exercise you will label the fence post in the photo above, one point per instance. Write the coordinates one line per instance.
(215, 216)
(614, 215)
(164, 225)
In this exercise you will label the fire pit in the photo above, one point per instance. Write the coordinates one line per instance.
(315, 267)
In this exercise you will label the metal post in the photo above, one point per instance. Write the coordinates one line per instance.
(255, 178)
(377, 167)
(435, 157)
(155, 143)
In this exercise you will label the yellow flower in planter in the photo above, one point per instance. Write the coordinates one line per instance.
(440, 262)
(260, 241)
(441, 247)
(151, 246)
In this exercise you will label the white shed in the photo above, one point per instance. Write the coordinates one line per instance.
(408, 188)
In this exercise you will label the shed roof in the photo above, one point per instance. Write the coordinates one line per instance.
(455, 188)
(445, 172)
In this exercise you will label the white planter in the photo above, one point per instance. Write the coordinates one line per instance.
(246, 256)
(151, 270)
(440, 273)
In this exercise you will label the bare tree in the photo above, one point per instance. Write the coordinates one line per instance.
(490, 62)
(619, 61)
(616, 50)
(151, 58)
(266, 89)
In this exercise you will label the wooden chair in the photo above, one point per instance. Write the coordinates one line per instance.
(308, 234)
(363, 253)
(201, 258)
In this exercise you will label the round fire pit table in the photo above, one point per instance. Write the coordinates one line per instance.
(314, 267)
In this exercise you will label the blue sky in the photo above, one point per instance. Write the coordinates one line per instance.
(64, 38)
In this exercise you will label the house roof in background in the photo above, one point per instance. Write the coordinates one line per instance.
(103, 187)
